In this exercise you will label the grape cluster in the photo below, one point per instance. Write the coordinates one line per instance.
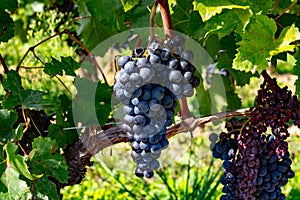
(261, 164)
(149, 84)
(225, 148)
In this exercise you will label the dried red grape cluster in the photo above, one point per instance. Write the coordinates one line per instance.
(257, 162)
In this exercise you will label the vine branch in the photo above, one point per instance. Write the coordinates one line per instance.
(95, 140)
(65, 31)
(3, 64)
(285, 10)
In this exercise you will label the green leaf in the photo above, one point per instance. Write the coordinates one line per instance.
(44, 146)
(241, 77)
(19, 132)
(102, 22)
(17, 162)
(210, 8)
(7, 120)
(85, 101)
(185, 20)
(297, 71)
(256, 44)
(129, 4)
(228, 21)
(45, 189)
(9, 5)
(103, 102)
(30, 99)
(16, 188)
(67, 64)
(3, 188)
(64, 119)
(44, 161)
(62, 137)
(7, 26)
(12, 81)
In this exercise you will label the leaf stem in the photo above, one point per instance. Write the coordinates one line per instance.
(69, 91)
(89, 52)
(287, 9)
(34, 46)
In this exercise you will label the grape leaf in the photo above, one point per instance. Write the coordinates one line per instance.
(3, 188)
(139, 15)
(297, 71)
(17, 162)
(228, 21)
(16, 188)
(102, 21)
(64, 119)
(287, 36)
(7, 120)
(7, 26)
(129, 4)
(44, 146)
(12, 81)
(241, 77)
(44, 161)
(62, 137)
(103, 102)
(185, 20)
(256, 43)
(45, 189)
(210, 8)
(67, 64)
(9, 5)
(30, 99)
(84, 110)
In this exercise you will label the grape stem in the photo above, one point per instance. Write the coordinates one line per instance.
(96, 139)
(167, 22)
(3, 64)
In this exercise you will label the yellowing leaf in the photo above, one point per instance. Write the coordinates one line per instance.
(210, 8)
(287, 36)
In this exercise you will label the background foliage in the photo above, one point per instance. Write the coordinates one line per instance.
(36, 103)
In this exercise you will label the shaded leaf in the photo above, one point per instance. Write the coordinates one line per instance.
(62, 137)
(7, 120)
(45, 189)
(67, 64)
(44, 160)
(103, 102)
(9, 5)
(7, 26)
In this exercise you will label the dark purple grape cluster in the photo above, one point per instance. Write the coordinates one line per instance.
(224, 147)
(146, 119)
(261, 165)
(149, 84)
